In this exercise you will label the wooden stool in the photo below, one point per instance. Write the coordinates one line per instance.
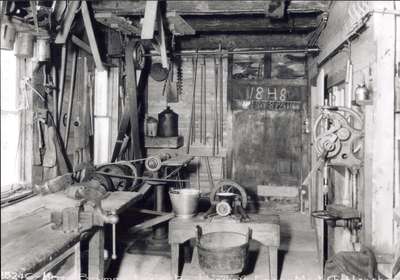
(265, 229)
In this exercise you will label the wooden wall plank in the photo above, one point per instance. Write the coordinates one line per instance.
(383, 136)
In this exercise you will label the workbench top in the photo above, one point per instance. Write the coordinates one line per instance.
(27, 240)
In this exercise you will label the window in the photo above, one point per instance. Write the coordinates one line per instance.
(11, 139)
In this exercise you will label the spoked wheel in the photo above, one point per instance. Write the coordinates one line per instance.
(229, 187)
(120, 168)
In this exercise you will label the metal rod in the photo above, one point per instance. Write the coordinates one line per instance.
(139, 177)
(221, 101)
(201, 98)
(62, 81)
(71, 97)
(191, 128)
(212, 53)
(209, 173)
(160, 195)
(55, 95)
(205, 102)
(114, 242)
(215, 126)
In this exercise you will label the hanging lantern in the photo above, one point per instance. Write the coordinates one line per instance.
(361, 94)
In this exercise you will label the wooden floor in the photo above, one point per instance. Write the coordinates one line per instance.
(297, 257)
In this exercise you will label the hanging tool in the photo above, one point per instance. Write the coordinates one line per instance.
(55, 94)
(71, 98)
(201, 98)
(179, 75)
(172, 95)
(61, 83)
(209, 173)
(205, 101)
(215, 148)
(191, 129)
(221, 99)
(193, 126)
(91, 103)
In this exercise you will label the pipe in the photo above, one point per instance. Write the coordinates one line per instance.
(212, 53)
(138, 177)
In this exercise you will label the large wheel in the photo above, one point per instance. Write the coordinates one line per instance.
(229, 186)
(132, 172)
(120, 184)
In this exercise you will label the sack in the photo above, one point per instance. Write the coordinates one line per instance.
(351, 265)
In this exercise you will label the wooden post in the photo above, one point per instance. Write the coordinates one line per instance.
(382, 138)
(273, 262)
(175, 260)
(149, 21)
(92, 38)
(96, 255)
(77, 261)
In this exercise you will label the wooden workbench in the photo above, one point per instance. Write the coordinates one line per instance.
(265, 229)
(28, 244)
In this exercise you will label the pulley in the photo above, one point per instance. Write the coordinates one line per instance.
(227, 188)
(336, 135)
(138, 55)
(153, 163)
(120, 168)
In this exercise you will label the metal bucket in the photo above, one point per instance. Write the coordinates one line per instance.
(223, 254)
(23, 46)
(152, 126)
(184, 202)
(43, 48)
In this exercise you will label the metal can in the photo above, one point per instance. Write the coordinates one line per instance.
(168, 123)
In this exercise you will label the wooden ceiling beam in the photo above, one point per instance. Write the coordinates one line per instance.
(131, 8)
(234, 41)
(251, 24)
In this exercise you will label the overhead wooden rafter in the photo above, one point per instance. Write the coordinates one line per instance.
(178, 26)
(63, 34)
(117, 23)
(152, 20)
(252, 23)
(213, 7)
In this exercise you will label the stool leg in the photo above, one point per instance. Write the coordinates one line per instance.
(175, 260)
(273, 262)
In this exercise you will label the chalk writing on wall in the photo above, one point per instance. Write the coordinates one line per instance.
(253, 96)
